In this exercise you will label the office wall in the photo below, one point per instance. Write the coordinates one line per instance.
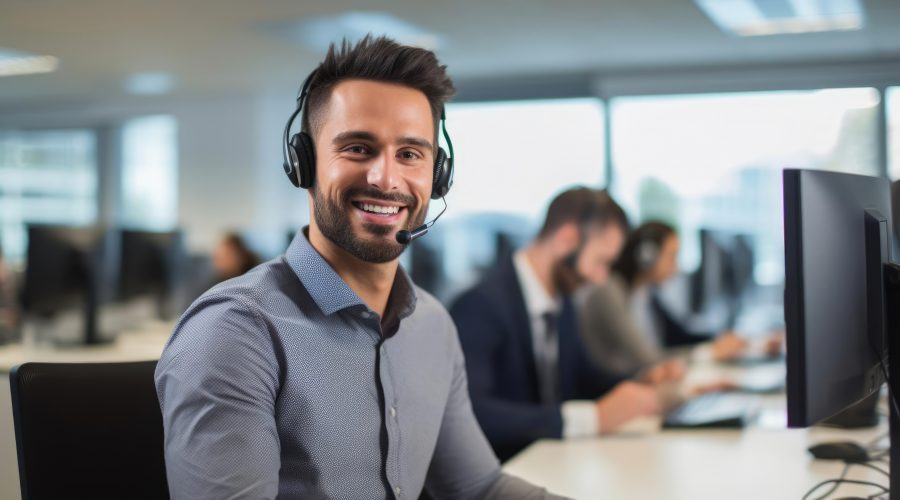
(229, 158)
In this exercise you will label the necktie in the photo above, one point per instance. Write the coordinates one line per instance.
(548, 355)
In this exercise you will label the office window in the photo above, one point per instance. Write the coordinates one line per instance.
(511, 158)
(715, 161)
(150, 173)
(892, 102)
(48, 177)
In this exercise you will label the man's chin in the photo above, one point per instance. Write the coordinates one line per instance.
(379, 230)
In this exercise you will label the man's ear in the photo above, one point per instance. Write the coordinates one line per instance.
(567, 238)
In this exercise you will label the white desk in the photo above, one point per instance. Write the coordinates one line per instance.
(143, 344)
(644, 463)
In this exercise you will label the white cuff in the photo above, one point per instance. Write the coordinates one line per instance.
(580, 419)
(703, 353)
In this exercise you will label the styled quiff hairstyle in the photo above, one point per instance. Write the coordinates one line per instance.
(378, 59)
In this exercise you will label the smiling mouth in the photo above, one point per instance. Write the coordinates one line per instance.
(382, 210)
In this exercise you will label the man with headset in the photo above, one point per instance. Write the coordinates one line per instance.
(326, 373)
(530, 376)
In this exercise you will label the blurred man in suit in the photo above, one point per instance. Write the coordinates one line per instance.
(529, 375)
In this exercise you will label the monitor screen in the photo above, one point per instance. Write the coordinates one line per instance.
(64, 271)
(837, 238)
(150, 265)
(725, 273)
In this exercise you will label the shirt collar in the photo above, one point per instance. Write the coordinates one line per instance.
(330, 292)
(537, 301)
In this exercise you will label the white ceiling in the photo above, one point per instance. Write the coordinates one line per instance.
(228, 45)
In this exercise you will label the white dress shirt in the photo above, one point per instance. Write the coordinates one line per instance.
(579, 416)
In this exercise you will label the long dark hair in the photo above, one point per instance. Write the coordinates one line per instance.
(642, 246)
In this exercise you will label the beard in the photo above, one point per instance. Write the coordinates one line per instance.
(333, 220)
(565, 274)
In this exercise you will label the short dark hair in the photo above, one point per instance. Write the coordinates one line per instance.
(378, 59)
(629, 266)
(247, 257)
(584, 206)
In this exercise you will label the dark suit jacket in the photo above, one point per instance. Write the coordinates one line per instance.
(495, 333)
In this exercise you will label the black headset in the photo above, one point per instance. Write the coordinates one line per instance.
(647, 254)
(300, 157)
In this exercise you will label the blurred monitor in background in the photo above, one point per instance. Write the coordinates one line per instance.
(65, 273)
(471, 245)
(426, 266)
(151, 265)
(9, 317)
(724, 278)
(895, 212)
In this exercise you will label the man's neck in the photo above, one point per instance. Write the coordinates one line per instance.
(542, 260)
(372, 282)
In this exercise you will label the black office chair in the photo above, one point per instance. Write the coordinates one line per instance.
(88, 430)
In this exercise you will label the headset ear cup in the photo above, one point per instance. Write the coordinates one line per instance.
(443, 175)
(648, 252)
(302, 145)
(294, 160)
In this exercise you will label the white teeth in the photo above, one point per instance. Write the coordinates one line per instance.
(379, 209)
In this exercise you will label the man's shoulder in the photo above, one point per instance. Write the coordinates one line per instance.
(261, 281)
(237, 307)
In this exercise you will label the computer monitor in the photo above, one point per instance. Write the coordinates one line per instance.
(725, 273)
(895, 210)
(64, 271)
(151, 264)
(840, 293)
(833, 289)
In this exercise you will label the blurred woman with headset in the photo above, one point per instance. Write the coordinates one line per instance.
(626, 326)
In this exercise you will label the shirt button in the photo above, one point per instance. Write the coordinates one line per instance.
(366, 314)
(397, 490)
(393, 412)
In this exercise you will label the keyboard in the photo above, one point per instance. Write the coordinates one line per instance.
(761, 380)
(714, 409)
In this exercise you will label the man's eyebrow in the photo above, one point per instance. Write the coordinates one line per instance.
(416, 141)
(362, 135)
(354, 135)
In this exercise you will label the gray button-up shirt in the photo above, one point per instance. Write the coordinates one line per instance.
(282, 383)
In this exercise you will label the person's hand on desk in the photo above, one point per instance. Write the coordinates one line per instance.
(670, 370)
(624, 402)
(728, 346)
(774, 343)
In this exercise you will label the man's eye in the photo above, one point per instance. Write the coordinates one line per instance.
(358, 149)
(410, 155)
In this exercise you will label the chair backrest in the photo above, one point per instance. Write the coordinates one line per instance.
(88, 430)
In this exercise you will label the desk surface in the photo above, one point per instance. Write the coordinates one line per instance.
(141, 344)
(643, 462)
(754, 464)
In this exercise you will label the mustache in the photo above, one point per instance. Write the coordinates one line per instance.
(377, 194)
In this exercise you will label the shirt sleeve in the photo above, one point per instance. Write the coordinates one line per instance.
(463, 464)
(611, 333)
(580, 419)
(217, 383)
